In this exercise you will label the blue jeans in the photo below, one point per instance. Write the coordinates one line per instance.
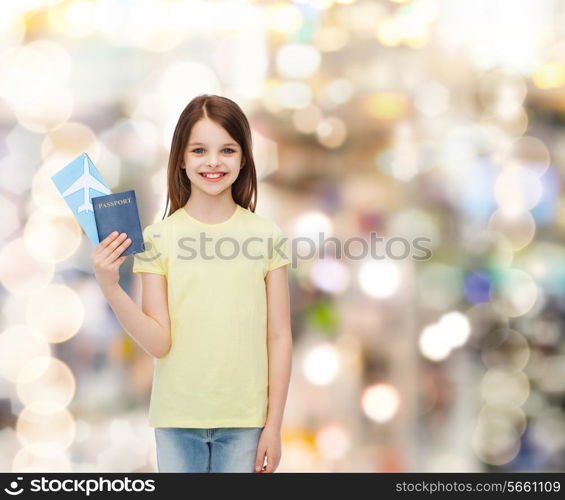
(223, 449)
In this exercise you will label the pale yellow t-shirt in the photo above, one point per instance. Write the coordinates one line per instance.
(216, 372)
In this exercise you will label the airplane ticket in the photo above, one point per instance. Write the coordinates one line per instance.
(78, 182)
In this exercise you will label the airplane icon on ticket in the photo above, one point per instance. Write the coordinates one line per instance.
(78, 182)
(86, 182)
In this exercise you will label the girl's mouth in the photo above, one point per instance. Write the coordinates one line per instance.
(213, 177)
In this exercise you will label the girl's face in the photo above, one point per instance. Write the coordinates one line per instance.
(211, 149)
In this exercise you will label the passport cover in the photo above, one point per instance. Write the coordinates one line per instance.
(118, 212)
(77, 182)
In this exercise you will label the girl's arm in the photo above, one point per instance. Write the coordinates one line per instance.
(148, 326)
(279, 343)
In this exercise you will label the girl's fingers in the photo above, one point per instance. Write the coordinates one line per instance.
(101, 248)
(98, 249)
(113, 235)
(109, 244)
(111, 238)
(113, 251)
(259, 459)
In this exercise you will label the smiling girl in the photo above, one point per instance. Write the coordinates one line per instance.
(215, 319)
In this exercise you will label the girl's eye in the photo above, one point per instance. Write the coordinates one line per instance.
(196, 150)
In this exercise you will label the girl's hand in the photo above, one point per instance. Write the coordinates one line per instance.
(106, 259)
(269, 445)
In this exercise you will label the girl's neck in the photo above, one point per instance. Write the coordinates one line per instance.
(210, 210)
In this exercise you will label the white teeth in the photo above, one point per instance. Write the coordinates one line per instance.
(213, 176)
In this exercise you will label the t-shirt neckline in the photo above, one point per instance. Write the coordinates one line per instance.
(232, 216)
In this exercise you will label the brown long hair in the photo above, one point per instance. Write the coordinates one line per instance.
(228, 115)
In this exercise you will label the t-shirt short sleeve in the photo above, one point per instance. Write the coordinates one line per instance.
(279, 251)
(154, 259)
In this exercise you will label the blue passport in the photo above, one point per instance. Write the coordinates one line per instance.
(118, 212)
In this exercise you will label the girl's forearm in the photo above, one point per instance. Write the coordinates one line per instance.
(280, 365)
(153, 338)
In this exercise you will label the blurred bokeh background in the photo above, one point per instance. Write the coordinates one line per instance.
(440, 119)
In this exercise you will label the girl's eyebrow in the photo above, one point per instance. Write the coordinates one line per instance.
(201, 143)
